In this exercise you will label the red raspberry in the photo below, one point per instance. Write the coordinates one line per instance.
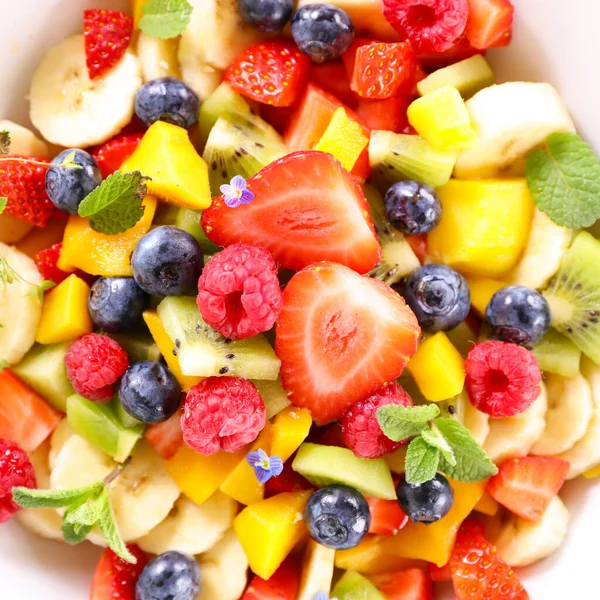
(360, 428)
(15, 470)
(502, 379)
(239, 293)
(94, 363)
(222, 413)
(429, 25)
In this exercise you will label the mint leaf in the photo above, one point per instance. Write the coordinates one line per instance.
(4, 143)
(564, 180)
(421, 461)
(400, 422)
(435, 439)
(165, 18)
(74, 533)
(3, 203)
(86, 513)
(28, 498)
(472, 463)
(109, 529)
(38, 290)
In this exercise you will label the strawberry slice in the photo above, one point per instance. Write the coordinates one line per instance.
(114, 578)
(410, 584)
(419, 245)
(283, 584)
(166, 437)
(490, 23)
(288, 481)
(271, 72)
(46, 263)
(432, 61)
(389, 114)
(306, 208)
(331, 76)
(387, 518)
(439, 573)
(526, 486)
(113, 153)
(340, 337)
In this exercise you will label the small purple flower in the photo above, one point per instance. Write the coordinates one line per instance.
(236, 192)
(322, 596)
(264, 466)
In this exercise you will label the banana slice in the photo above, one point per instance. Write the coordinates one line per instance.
(20, 310)
(477, 422)
(69, 108)
(513, 437)
(13, 230)
(317, 571)
(585, 454)
(224, 570)
(570, 410)
(511, 119)
(191, 528)
(158, 58)
(58, 439)
(142, 495)
(547, 244)
(521, 543)
(23, 142)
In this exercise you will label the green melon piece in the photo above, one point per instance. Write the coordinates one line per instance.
(557, 354)
(353, 586)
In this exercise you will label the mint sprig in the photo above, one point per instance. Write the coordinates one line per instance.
(564, 179)
(4, 142)
(3, 203)
(422, 461)
(8, 275)
(165, 19)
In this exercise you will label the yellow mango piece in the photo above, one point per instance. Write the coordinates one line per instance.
(487, 505)
(442, 119)
(65, 312)
(484, 227)
(177, 172)
(268, 530)
(482, 289)
(434, 542)
(290, 429)
(137, 7)
(165, 345)
(592, 473)
(344, 138)
(101, 254)
(241, 484)
(438, 368)
(199, 476)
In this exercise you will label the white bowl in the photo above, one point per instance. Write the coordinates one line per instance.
(547, 47)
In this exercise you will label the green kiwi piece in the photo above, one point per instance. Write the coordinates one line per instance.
(354, 586)
(189, 220)
(574, 295)
(165, 214)
(557, 354)
(204, 352)
(462, 338)
(275, 397)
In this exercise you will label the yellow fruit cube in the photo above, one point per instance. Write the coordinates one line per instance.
(65, 312)
(137, 7)
(268, 530)
(199, 476)
(438, 368)
(592, 473)
(434, 542)
(484, 227)
(442, 119)
(344, 138)
(177, 172)
(487, 505)
(482, 289)
(290, 429)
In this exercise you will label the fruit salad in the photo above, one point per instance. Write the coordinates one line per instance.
(297, 303)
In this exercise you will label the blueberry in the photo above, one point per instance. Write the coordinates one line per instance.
(413, 207)
(322, 31)
(167, 262)
(337, 516)
(425, 502)
(266, 15)
(439, 297)
(518, 314)
(117, 303)
(170, 576)
(67, 187)
(167, 99)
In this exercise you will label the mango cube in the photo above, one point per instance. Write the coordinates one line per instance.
(482, 289)
(438, 368)
(290, 429)
(484, 227)
(487, 505)
(137, 7)
(343, 138)
(442, 119)
(177, 172)
(268, 530)
(65, 312)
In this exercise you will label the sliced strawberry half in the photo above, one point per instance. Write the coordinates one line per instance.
(341, 336)
(114, 578)
(490, 23)
(166, 437)
(113, 153)
(410, 584)
(283, 584)
(306, 208)
(526, 486)
(387, 518)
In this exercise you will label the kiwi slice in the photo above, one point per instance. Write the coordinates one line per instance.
(139, 347)
(275, 397)
(574, 295)
(557, 354)
(204, 352)
(397, 257)
(325, 465)
(165, 214)
(189, 220)
(462, 338)
(397, 156)
(354, 586)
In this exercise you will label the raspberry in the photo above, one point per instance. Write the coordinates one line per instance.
(222, 413)
(15, 470)
(429, 25)
(94, 363)
(239, 293)
(503, 379)
(360, 428)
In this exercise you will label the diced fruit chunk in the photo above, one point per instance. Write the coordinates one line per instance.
(283, 585)
(353, 586)
(482, 289)
(389, 114)
(290, 429)
(487, 505)
(410, 584)
(166, 437)
(557, 354)
(490, 23)
(387, 518)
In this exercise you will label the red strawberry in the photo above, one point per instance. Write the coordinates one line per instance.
(299, 220)
(331, 76)
(490, 23)
(288, 481)
(526, 486)
(107, 35)
(387, 518)
(114, 578)
(166, 437)
(24, 184)
(282, 585)
(418, 244)
(46, 263)
(277, 116)
(112, 154)
(410, 584)
(349, 57)
(478, 573)
(439, 573)
(389, 114)
(435, 60)
(340, 337)
(272, 72)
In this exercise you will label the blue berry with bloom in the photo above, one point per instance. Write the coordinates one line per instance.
(264, 466)
(236, 192)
